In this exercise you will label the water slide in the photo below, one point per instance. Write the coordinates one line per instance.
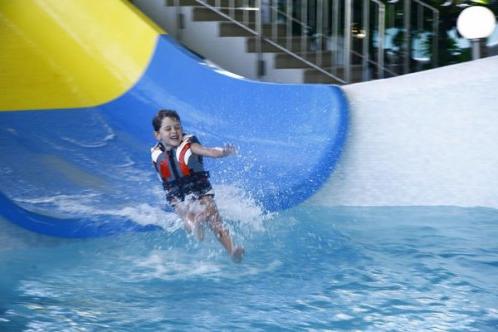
(81, 80)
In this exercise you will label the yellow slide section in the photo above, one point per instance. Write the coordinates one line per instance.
(70, 53)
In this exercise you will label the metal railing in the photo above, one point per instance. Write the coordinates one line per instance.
(334, 37)
(284, 45)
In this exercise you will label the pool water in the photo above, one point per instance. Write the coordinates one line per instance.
(309, 268)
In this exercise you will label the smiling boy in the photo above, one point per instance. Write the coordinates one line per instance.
(178, 160)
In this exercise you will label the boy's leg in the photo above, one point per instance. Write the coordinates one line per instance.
(198, 221)
(183, 211)
(212, 216)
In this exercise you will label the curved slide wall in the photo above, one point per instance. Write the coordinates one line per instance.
(80, 83)
(429, 138)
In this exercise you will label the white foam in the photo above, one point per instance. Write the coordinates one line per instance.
(235, 204)
(172, 265)
(85, 205)
(178, 264)
(93, 141)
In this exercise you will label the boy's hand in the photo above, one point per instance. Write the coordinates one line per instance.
(229, 149)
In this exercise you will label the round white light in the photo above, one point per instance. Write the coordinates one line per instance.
(476, 22)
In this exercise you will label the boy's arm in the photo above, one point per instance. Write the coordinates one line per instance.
(213, 152)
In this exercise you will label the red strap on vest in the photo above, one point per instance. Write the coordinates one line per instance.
(164, 169)
(183, 166)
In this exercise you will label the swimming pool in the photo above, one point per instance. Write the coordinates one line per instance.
(309, 268)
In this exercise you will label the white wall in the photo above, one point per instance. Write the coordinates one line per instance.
(429, 138)
(202, 37)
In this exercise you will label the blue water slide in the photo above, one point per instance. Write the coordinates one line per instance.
(289, 138)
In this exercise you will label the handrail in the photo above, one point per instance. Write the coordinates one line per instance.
(348, 13)
(375, 63)
(327, 27)
(269, 41)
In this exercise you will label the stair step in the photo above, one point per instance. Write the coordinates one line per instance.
(315, 76)
(229, 29)
(221, 3)
(172, 3)
(320, 58)
(284, 60)
(295, 44)
(206, 14)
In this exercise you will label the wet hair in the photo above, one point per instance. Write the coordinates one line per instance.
(165, 113)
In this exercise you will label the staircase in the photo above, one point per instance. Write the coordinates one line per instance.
(264, 40)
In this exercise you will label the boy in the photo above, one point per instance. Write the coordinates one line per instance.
(178, 160)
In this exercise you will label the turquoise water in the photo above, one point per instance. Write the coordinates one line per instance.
(310, 268)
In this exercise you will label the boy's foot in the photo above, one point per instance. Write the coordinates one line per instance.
(199, 231)
(237, 254)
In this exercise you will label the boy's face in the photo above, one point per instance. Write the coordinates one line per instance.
(170, 133)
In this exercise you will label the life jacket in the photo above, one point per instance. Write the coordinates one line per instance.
(181, 171)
